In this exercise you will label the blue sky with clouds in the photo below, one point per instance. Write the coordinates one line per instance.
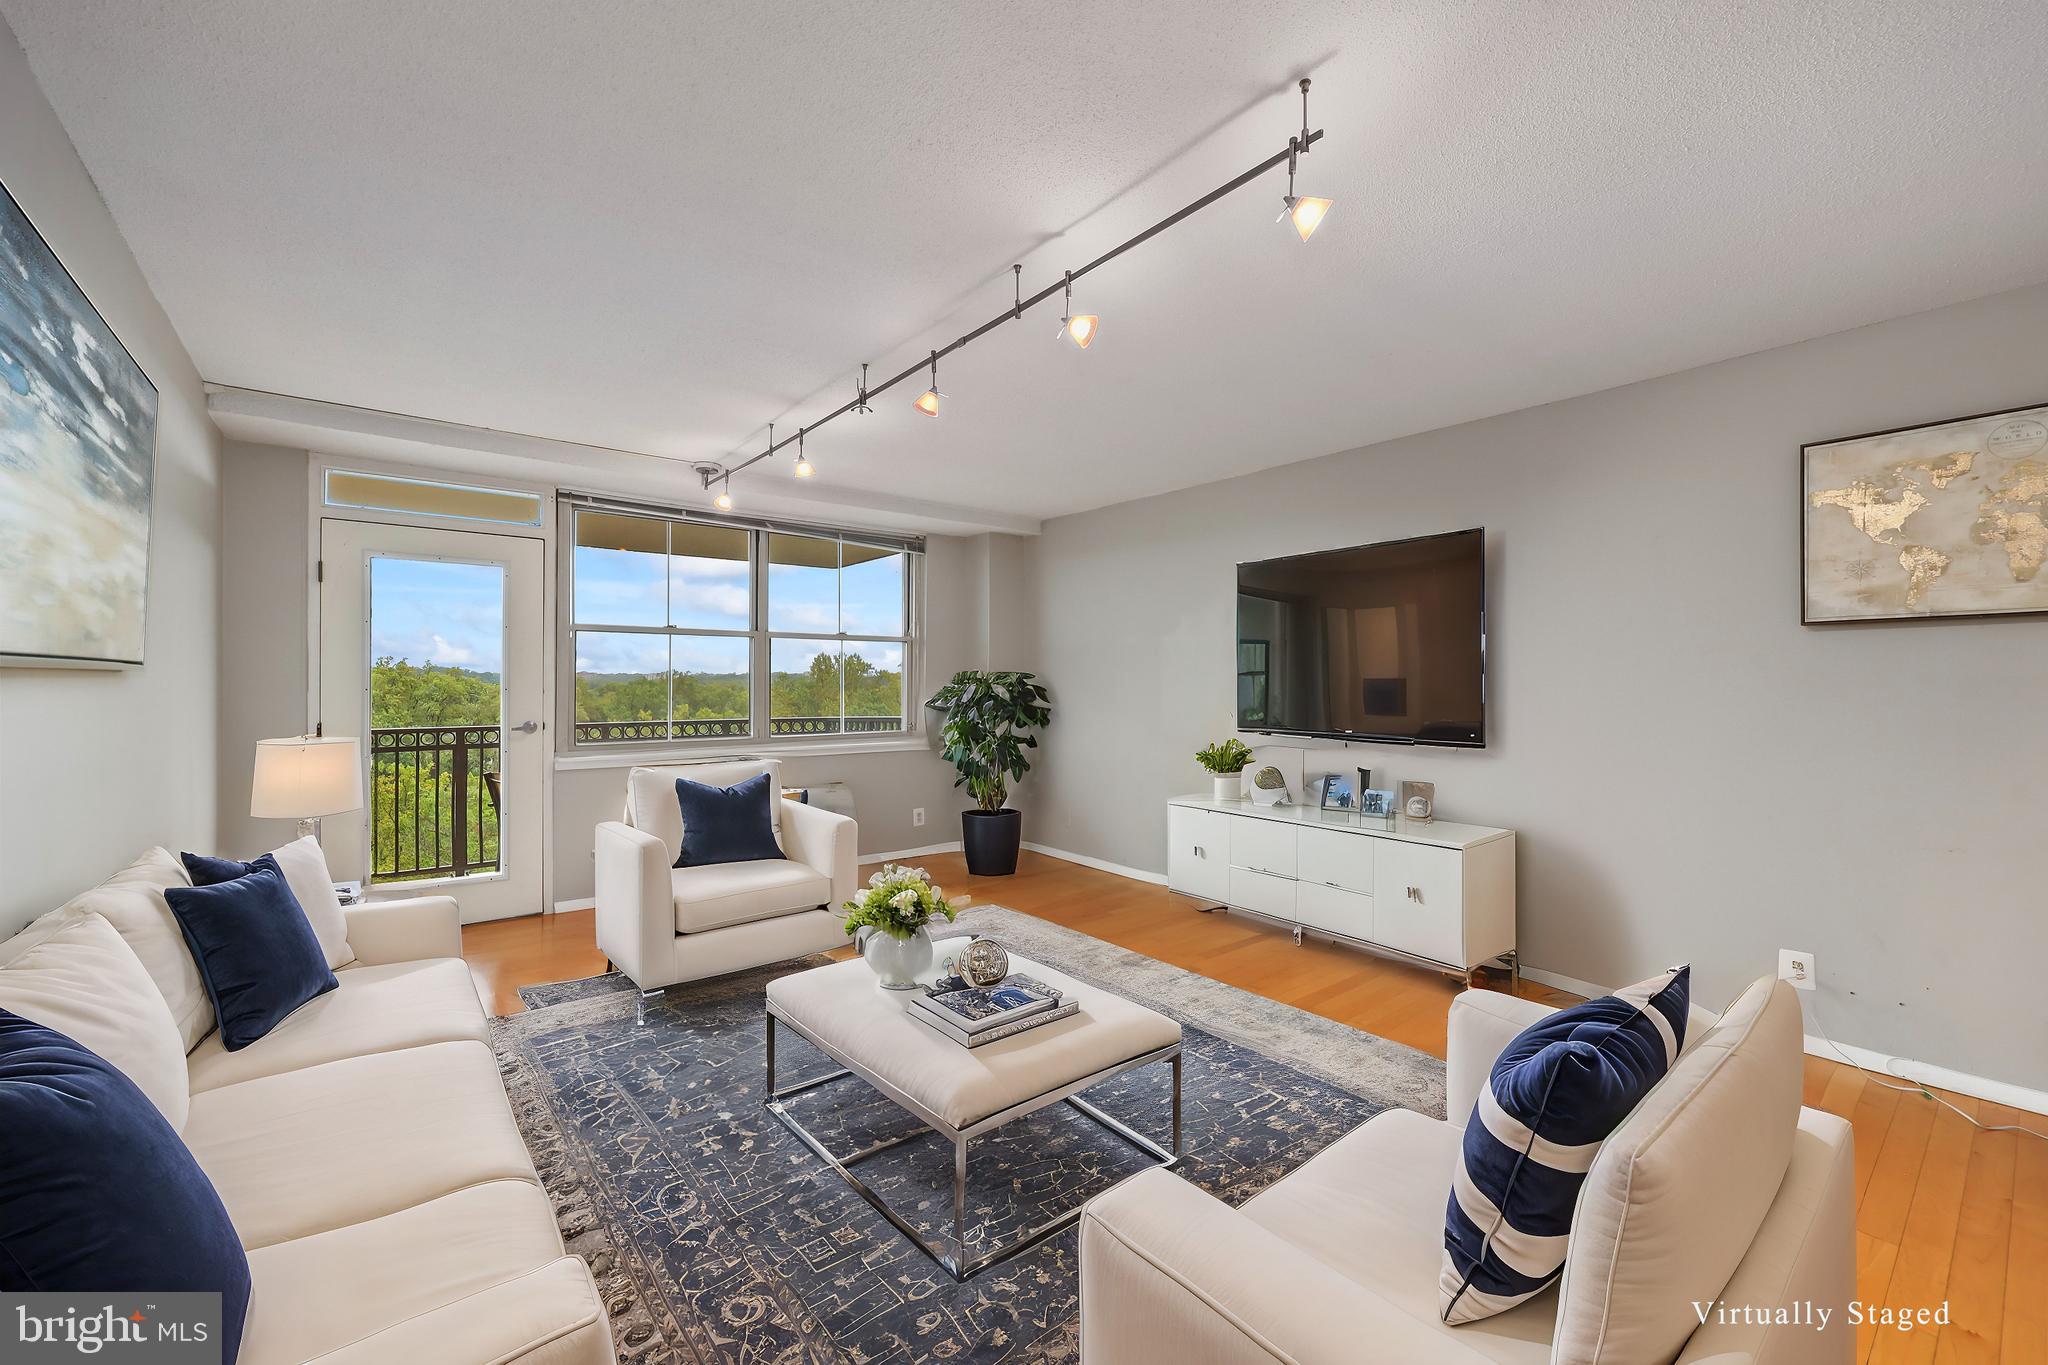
(452, 615)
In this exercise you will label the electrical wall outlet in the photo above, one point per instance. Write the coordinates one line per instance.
(1797, 968)
(917, 816)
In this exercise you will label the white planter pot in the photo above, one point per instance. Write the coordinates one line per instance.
(896, 962)
(1229, 786)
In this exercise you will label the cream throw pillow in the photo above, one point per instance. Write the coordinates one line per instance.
(132, 900)
(72, 972)
(305, 872)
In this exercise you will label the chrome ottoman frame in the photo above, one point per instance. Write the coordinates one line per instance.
(955, 1263)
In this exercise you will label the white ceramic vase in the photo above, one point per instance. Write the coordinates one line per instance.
(896, 962)
(1229, 786)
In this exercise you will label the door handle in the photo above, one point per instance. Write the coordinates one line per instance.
(528, 728)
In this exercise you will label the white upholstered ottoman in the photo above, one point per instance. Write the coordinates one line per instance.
(959, 1092)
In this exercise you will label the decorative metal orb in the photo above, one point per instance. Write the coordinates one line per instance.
(984, 963)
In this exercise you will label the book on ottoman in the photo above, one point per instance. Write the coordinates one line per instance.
(974, 1015)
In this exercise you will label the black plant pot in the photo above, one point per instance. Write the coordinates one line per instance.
(991, 838)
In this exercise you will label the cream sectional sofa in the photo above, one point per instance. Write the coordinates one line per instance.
(364, 1148)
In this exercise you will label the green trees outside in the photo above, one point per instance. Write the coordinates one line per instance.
(415, 790)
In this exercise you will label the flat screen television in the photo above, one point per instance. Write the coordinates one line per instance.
(1379, 642)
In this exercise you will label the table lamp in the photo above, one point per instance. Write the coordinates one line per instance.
(304, 777)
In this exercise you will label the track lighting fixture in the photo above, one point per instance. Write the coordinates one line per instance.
(1082, 329)
(1307, 212)
(928, 401)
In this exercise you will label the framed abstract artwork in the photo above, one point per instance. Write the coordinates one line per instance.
(77, 467)
(1926, 522)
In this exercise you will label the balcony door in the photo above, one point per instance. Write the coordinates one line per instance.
(431, 653)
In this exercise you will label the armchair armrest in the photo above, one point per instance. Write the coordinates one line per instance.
(1170, 1273)
(636, 906)
(383, 932)
(1482, 1023)
(826, 841)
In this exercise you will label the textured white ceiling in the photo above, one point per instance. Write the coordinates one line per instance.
(655, 227)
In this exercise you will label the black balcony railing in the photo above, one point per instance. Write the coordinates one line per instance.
(434, 803)
(658, 732)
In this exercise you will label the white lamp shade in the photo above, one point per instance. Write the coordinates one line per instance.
(305, 777)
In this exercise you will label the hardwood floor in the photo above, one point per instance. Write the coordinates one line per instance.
(1945, 1212)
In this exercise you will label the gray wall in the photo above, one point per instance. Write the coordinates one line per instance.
(263, 558)
(1694, 775)
(94, 767)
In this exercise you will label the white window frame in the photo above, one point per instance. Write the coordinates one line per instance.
(759, 735)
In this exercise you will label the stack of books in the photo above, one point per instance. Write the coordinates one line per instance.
(974, 1015)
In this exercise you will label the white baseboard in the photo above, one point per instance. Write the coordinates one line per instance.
(1136, 874)
(902, 853)
(1563, 982)
(1927, 1073)
(581, 903)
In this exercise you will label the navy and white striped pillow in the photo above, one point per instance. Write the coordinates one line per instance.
(1555, 1094)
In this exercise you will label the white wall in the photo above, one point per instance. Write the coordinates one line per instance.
(263, 625)
(94, 767)
(1694, 775)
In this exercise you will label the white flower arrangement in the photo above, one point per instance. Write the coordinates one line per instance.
(898, 902)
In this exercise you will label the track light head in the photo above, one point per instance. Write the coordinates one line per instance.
(1305, 211)
(928, 401)
(1080, 330)
(723, 502)
(803, 462)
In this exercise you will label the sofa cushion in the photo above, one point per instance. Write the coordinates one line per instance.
(383, 1132)
(96, 1192)
(132, 900)
(651, 796)
(305, 869)
(1677, 1194)
(337, 1289)
(728, 824)
(1551, 1099)
(1370, 1206)
(255, 949)
(373, 1009)
(721, 894)
(73, 973)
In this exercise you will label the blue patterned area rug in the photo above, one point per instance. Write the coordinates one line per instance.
(715, 1236)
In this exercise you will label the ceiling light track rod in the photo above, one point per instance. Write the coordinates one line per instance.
(1286, 157)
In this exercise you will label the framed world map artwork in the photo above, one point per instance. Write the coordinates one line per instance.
(1944, 520)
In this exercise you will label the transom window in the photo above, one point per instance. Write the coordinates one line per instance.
(686, 631)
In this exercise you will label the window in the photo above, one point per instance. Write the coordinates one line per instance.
(684, 631)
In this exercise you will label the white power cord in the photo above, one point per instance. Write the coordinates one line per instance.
(1913, 1087)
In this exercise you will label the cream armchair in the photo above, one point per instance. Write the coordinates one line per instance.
(1719, 1191)
(661, 924)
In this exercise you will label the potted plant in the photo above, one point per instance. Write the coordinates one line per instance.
(1226, 763)
(989, 719)
(892, 919)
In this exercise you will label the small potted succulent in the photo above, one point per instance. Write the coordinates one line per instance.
(1226, 763)
(892, 918)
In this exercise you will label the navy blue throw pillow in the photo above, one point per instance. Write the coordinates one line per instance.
(97, 1194)
(727, 824)
(255, 949)
(1555, 1094)
(205, 871)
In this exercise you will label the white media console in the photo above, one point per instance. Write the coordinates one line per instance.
(1440, 893)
